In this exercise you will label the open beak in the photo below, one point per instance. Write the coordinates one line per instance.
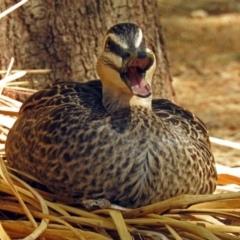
(133, 73)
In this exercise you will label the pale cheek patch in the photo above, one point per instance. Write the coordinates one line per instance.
(111, 58)
(138, 39)
(117, 40)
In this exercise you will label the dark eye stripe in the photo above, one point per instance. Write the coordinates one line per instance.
(115, 48)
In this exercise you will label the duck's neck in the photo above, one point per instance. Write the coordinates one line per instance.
(115, 99)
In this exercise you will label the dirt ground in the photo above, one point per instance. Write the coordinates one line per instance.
(204, 53)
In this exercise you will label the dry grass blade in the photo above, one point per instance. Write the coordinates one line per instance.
(10, 111)
(184, 226)
(18, 230)
(10, 67)
(44, 222)
(3, 234)
(12, 77)
(5, 80)
(28, 197)
(20, 83)
(13, 102)
(173, 232)
(6, 122)
(29, 71)
(120, 224)
(6, 12)
(23, 174)
(7, 179)
(91, 222)
(178, 201)
(212, 212)
(79, 212)
(225, 143)
(149, 234)
(211, 223)
(225, 236)
(227, 175)
(23, 89)
(226, 204)
(57, 209)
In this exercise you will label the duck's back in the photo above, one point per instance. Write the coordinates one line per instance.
(133, 157)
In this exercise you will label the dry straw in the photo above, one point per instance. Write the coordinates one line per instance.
(28, 213)
(41, 214)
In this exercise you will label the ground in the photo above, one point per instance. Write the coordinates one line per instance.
(204, 53)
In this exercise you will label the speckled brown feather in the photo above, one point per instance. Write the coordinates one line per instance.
(133, 157)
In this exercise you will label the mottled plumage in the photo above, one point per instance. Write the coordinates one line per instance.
(102, 140)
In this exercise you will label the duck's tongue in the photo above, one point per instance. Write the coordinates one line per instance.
(137, 82)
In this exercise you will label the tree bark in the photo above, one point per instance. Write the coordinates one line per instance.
(66, 37)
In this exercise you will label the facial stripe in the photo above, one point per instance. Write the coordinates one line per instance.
(116, 48)
(117, 40)
(138, 39)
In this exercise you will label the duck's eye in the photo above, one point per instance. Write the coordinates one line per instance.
(108, 43)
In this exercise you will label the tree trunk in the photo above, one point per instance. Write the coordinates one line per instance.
(66, 37)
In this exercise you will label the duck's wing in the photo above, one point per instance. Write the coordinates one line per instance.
(180, 119)
(87, 94)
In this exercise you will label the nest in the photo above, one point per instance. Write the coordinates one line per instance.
(32, 213)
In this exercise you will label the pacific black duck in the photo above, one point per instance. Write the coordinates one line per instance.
(109, 139)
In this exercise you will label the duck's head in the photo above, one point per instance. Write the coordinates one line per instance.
(126, 65)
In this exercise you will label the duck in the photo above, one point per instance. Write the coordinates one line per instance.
(108, 138)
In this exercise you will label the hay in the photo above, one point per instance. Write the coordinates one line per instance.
(38, 213)
(29, 213)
